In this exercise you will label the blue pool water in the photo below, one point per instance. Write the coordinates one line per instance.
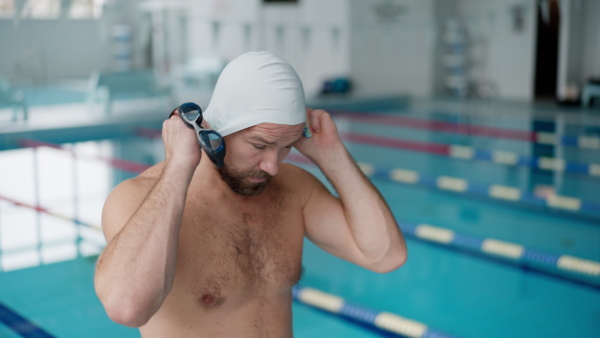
(452, 290)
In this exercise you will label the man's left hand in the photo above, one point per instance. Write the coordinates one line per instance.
(325, 141)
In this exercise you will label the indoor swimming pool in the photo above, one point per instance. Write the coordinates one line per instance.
(499, 206)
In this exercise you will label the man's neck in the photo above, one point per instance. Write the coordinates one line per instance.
(207, 180)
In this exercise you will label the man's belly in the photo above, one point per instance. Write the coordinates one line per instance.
(257, 315)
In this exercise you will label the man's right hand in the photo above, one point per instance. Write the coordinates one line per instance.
(181, 143)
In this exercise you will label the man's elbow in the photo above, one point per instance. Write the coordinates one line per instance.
(122, 309)
(125, 314)
(390, 262)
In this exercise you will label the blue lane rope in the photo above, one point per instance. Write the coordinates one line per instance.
(491, 247)
(494, 191)
(20, 325)
(384, 321)
(513, 159)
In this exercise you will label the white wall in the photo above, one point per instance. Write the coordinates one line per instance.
(509, 56)
(591, 39)
(217, 27)
(579, 45)
(570, 55)
(322, 41)
(391, 57)
(311, 35)
(70, 48)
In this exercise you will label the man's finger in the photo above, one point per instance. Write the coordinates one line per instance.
(315, 120)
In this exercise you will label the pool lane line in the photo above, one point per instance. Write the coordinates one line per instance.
(547, 138)
(587, 282)
(511, 253)
(43, 210)
(21, 325)
(384, 321)
(488, 246)
(404, 176)
(470, 153)
(493, 191)
(514, 252)
(455, 151)
(115, 163)
(462, 186)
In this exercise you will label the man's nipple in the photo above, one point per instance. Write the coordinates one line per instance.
(207, 300)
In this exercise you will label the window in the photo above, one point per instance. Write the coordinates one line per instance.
(52, 9)
(41, 9)
(7, 8)
(81, 9)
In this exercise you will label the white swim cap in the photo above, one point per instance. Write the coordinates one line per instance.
(254, 88)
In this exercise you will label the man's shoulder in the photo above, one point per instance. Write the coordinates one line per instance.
(126, 198)
(132, 191)
(294, 174)
(142, 183)
(296, 178)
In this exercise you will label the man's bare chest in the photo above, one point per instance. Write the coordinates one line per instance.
(232, 252)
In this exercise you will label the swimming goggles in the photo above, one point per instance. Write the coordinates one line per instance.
(211, 141)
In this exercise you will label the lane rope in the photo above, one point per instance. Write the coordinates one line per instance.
(455, 151)
(462, 186)
(493, 191)
(488, 246)
(497, 248)
(547, 138)
(385, 321)
(43, 210)
(475, 154)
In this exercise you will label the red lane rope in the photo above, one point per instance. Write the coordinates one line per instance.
(43, 210)
(26, 205)
(426, 147)
(442, 126)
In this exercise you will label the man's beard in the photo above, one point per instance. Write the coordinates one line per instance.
(240, 184)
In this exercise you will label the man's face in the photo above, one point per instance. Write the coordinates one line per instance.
(254, 155)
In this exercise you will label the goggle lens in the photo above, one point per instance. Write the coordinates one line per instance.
(190, 111)
(212, 140)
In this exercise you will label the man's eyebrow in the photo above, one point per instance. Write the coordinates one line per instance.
(260, 139)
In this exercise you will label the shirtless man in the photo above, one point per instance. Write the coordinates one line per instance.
(195, 251)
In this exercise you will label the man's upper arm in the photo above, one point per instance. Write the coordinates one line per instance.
(121, 204)
(325, 222)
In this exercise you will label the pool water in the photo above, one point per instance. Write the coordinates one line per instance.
(47, 261)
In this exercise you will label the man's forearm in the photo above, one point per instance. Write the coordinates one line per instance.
(368, 215)
(135, 273)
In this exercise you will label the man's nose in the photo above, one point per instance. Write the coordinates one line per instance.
(270, 163)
